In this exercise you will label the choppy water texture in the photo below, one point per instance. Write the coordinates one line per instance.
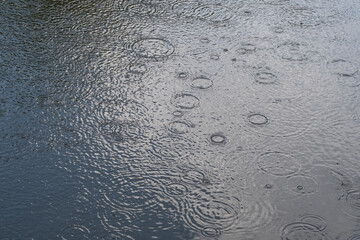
(180, 119)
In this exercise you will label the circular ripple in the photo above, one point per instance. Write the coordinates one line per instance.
(176, 189)
(276, 2)
(138, 68)
(118, 222)
(221, 214)
(292, 51)
(138, 193)
(278, 164)
(153, 48)
(246, 48)
(201, 83)
(179, 127)
(141, 9)
(71, 82)
(355, 236)
(303, 185)
(75, 232)
(265, 78)
(256, 214)
(214, 13)
(45, 101)
(314, 220)
(185, 101)
(302, 230)
(193, 177)
(174, 146)
(258, 119)
(185, 9)
(210, 232)
(217, 139)
(10, 232)
(111, 110)
(121, 131)
(350, 81)
(135, 72)
(303, 16)
(352, 203)
(278, 29)
(342, 68)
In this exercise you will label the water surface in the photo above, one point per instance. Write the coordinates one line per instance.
(179, 119)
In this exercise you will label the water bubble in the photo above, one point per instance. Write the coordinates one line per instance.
(268, 186)
(185, 101)
(182, 75)
(153, 48)
(303, 185)
(75, 232)
(280, 117)
(247, 13)
(258, 119)
(302, 230)
(206, 181)
(204, 40)
(217, 139)
(178, 113)
(214, 57)
(201, 83)
(278, 164)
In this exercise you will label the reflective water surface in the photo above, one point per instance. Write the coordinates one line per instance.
(199, 119)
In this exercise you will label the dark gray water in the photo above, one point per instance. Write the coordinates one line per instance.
(180, 119)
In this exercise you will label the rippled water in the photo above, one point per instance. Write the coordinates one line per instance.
(180, 120)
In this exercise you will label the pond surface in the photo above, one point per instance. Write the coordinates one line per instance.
(180, 119)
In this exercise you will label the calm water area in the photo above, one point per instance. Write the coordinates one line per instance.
(199, 119)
